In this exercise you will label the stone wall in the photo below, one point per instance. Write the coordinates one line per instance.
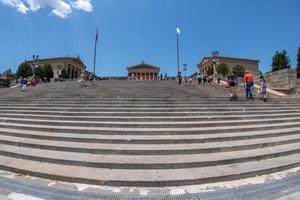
(281, 80)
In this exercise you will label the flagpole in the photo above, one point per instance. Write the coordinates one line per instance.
(178, 61)
(95, 52)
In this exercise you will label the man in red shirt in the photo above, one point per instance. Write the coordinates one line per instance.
(249, 82)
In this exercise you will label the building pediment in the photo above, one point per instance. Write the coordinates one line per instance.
(143, 66)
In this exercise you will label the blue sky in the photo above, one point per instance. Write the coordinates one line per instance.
(135, 30)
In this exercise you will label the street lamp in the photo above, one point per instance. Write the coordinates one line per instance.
(185, 69)
(35, 58)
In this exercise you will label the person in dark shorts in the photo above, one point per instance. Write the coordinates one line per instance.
(179, 78)
(232, 85)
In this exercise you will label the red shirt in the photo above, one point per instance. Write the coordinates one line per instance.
(248, 77)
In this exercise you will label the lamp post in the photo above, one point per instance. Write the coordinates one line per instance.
(35, 58)
(185, 69)
(178, 32)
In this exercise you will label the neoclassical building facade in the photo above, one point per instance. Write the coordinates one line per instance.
(213, 62)
(143, 71)
(73, 65)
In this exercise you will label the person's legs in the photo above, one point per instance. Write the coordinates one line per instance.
(250, 90)
(247, 90)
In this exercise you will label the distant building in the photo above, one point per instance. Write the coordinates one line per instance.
(73, 65)
(143, 71)
(213, 62)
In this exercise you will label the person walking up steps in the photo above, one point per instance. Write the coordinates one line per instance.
(262, 92)
(82, 79)
(248, 79)
(232, 85)
(179, 78)
(199, 78)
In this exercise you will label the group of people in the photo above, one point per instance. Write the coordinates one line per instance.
(232, 86)
(86, 77)
(23, 83)
(205, 80)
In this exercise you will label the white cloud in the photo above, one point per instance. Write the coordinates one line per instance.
(60, 8)
(83, 5)
(18, 4)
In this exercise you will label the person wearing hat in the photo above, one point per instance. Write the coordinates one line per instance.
(249, 82)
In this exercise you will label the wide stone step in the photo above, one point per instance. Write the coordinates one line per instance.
(148, 162)
(91, 100)
(174, 109)
(149, 131)
(135, 105)
(149, 139)
(51, 116)
(149, 149)
(149, 178)
(160, 124)
(153, 114)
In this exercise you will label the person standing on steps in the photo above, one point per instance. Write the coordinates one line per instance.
(232, 85)
(179, 78)
(22, 83)
(249, 82)
(199, 76)
(262, 89)
(204, 80)
(82, 78)
(91, 79)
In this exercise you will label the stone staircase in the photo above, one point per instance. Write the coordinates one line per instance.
(145, 134)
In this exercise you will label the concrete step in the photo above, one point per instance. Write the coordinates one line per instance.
(51, 116)
(152, 114)
(149, 139)
(145, 109)
(149, 178)
(149, 131)
(160, 124)
(149, 149)
(178, 161)
(135, 105)
(115, 100)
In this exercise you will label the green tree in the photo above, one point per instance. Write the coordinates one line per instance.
(298, 63)
(281, 61)
(64, 74)
(223, 69)
(48, 72)
(210, 71)
(24, 70)
(239, 70)
(39, 71)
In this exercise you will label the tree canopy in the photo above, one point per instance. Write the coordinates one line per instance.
(64, 74)
(281, 61)
(239, 70)
(39, 72)
(24, 70)
(48, 71)
(223, 69)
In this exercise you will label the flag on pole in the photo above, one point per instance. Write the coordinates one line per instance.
(178, 30)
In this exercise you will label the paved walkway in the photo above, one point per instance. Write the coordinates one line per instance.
(27, 188)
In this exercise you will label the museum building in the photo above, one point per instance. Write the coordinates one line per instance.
(143, 71)
(213, 62)
(73, 65)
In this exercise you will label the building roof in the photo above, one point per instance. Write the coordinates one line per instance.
(230, 58)
(143, 65)
(74, 59)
